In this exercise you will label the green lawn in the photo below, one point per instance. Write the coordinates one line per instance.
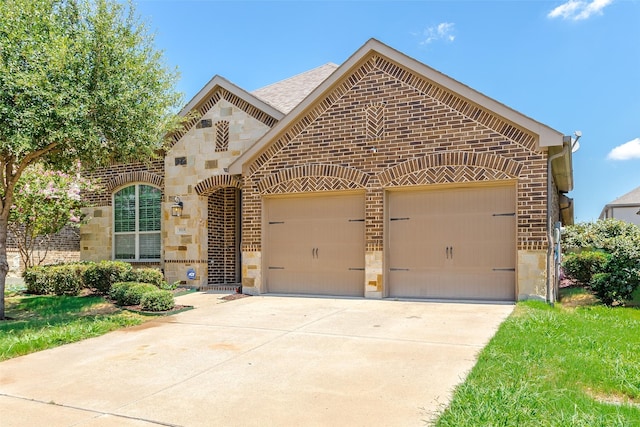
(576, 364)
(41, 322)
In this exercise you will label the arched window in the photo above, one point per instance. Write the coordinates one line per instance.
(136, 213)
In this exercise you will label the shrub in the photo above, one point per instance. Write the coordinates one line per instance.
(37, 281)
(102, 275)
(170, 286)
(157, 300)
(61, 279)
(118, 291)
(65, 279)
(135, 291)
(147, 275)
(581, 266)
(618, 277)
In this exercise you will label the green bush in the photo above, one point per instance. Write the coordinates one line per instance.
(147, 275)
(170, 286)
(37, 281)
(59, 279)
(134, 292)
(100, 276)
(580, 267)
(65, 279)
(618, 277)
(157, 300)
(118, 291)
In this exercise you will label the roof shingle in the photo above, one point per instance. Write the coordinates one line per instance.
(286, 94)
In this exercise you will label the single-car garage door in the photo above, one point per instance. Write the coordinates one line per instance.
(452, 243)
(315, 244)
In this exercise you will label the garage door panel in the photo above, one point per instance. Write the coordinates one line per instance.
(454, 243)
(320, 247)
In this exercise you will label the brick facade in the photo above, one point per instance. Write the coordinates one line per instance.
(378, 125)
(424, 135)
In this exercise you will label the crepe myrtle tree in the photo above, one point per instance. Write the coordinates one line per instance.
(80, 80)
(44, 203)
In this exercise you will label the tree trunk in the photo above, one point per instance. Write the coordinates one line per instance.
(4, 265)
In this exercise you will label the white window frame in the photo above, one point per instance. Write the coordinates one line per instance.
(137, 233)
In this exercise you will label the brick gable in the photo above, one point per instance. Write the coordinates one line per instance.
(431, 136)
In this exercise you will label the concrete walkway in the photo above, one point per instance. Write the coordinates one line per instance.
(257, 361)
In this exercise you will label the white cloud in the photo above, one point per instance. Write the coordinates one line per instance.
(577, 10)
(442, 31)
(626, 151)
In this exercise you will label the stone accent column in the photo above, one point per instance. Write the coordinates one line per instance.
(251, 271)
(96, 234)
(185, 240)
(374, 229)
(531, 274)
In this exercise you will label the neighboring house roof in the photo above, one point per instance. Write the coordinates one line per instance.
(630, 199)
(286, 94)
(547, 137)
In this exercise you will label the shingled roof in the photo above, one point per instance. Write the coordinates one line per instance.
(631, 198)
(286, 94)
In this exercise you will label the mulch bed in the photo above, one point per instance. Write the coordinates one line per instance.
(234, 297)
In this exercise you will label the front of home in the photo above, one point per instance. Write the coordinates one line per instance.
(377, 178)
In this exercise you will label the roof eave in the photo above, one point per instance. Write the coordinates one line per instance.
(562, 168)
(219, 81)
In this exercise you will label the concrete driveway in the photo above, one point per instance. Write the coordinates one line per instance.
(258, 361)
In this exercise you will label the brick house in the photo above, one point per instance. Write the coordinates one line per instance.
(377, 178)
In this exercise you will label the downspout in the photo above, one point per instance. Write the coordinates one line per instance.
(566, 143)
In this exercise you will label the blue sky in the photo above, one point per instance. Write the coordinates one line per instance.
(570, 64)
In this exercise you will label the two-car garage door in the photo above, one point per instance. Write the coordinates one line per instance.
(440, 243)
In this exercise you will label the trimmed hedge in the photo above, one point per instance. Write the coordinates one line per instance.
(147, 275)
(101, 276)
(63, 279)
(157, 300)
(130, 293)
(69, 279)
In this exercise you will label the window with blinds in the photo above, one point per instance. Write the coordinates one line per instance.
(136, 213)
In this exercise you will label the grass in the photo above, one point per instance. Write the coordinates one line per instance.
(575, 364)
(42, 322)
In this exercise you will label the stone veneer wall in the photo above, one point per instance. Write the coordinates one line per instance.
(429, 136)
(196, 171)
(96, 235)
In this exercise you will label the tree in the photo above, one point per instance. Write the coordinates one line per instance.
(80, 80)
(44, 203)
